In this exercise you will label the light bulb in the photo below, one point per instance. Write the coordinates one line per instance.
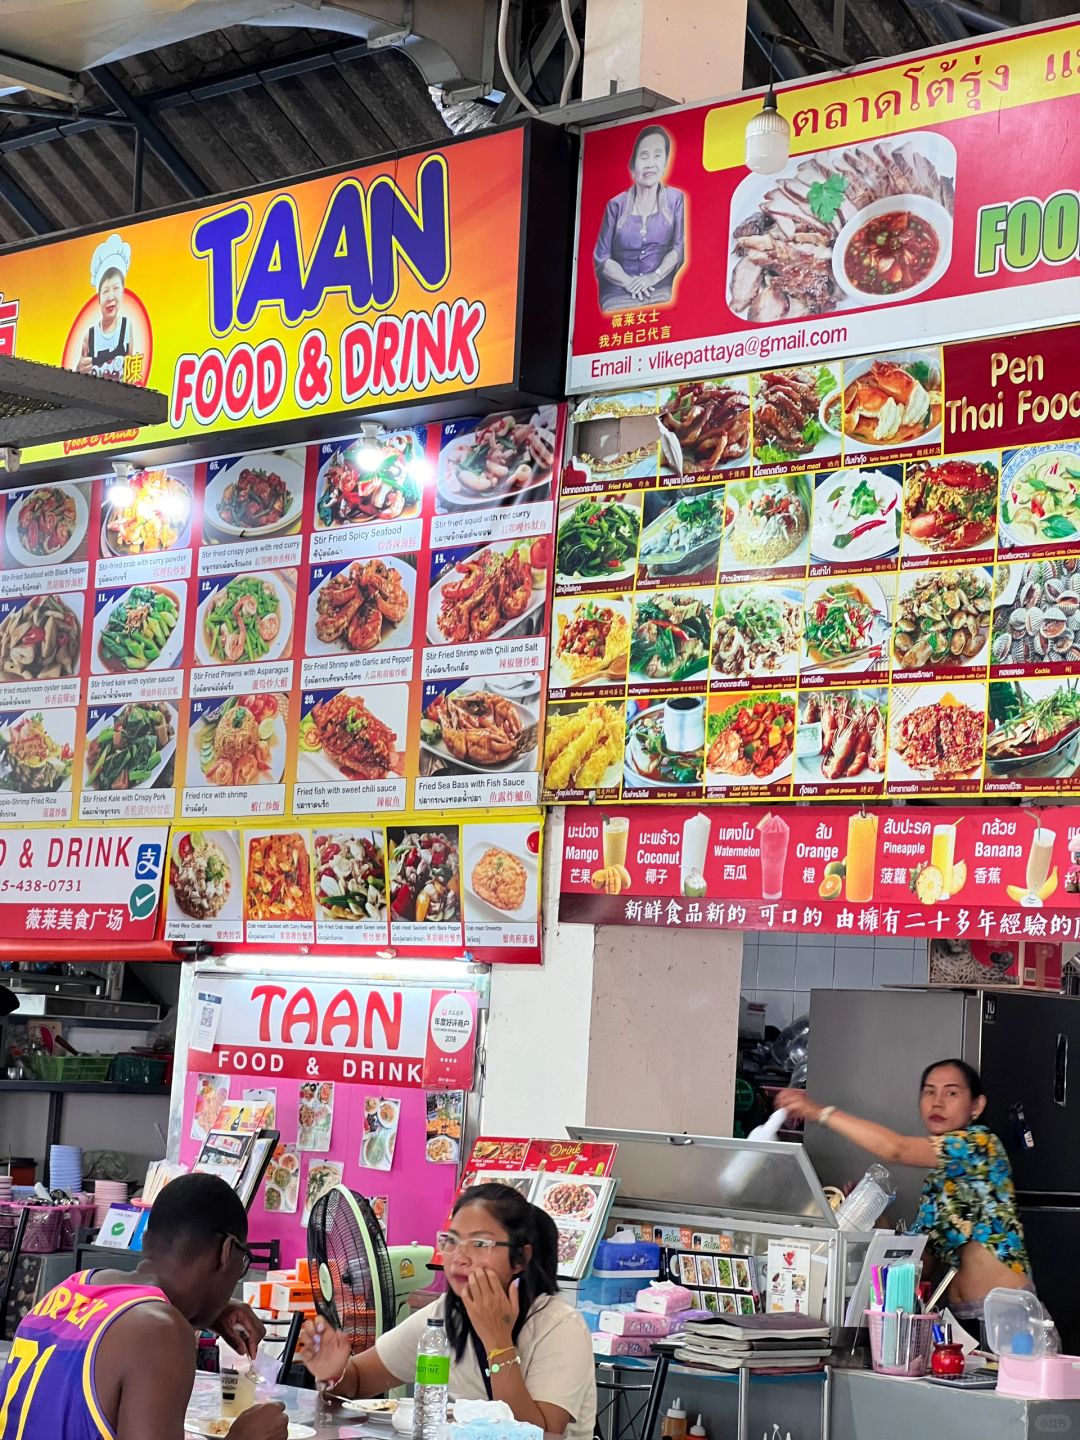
(120, 496)
(369, 459)
(768, 139)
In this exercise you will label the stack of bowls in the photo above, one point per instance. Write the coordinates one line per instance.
(65, 1168)
(106, 1193)
(5, 1189)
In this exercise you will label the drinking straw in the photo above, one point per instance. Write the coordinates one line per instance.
(932, 1303)
(875, 1283)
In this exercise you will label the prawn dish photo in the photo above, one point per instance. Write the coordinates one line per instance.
(593, 641)
(501, 459)
(951, 504)
(477, 727)
(893, 402)
(360, 607)
(240, 742)
(246, 619)
(479, 597)
(355, 741)
(842, 735)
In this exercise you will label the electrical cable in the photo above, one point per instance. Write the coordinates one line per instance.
(575, 50)
(504, 60)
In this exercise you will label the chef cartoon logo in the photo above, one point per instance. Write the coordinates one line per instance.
(111, 335)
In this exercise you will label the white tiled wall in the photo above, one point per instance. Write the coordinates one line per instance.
(781, 970)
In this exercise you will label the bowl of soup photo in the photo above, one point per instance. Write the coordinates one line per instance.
(893, 249)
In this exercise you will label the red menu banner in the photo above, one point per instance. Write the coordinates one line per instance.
(920, 200)
(945, 871)
(503, 1155)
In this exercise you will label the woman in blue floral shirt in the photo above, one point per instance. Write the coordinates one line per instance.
(968, 1207)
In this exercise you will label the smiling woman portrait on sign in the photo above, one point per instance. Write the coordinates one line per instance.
(968, 1207)
(642, 242)
(511, 1337)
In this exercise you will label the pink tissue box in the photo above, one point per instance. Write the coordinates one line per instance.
(1043, 1377)
(637, 1345)
(612, 1322)
(664, 1299)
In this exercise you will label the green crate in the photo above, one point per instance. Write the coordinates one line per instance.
(72, 1069)
(137, 1070)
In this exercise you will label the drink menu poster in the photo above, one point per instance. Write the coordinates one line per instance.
(338, 629)
(932, 872)
(846, 581)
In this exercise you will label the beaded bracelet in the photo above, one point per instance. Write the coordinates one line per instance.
(494, 1370)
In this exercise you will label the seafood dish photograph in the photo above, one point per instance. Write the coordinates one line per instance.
(750, 739)
(841, 737)
(583, 747)
(597, 540)
(255, 495)
(141, 628)
(936, 732)
(506, 459)
(942, 618)
(1040, 496)
(618, 447)
(1036, 613)
(757, 631)
(46, 525)
(951, 505)
(37, 751)
(842, 228)
(771, 526)
(356, 734)
(370, 480)
(665, 743)
(590, 642)
(857, 516)
(244, 619)
(425, 874)
(147, 512)
(361, 605)
(846, 624)
(278, 877)
(240, 740)
(670, 636)
(787, 414)
(350, 875)
(705, 426)
(895, 402)
(131, 747)
(497, 590)
(41, 637)
(1034, 730)
(682, 533)
(204, 874)
(472, 728)
(566, 1198)
(501, 883)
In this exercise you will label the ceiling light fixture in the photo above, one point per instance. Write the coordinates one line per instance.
(768, 134)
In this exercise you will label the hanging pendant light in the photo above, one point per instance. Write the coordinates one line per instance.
(768, 134)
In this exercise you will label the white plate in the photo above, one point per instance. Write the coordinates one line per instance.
(394, 637)
(233, 907)
(526, 912)
(24, 557)
(624, 572)
(883, 540)
(103, 724)
(196, 775)
(860, 368)
(434, 633)
(880, 626)
(520, 762)
(290, 472)
(285, 615)
(60, 727)
(1017, 462)
(934, 215)
(451, 493)
(388, 703)
(633, 776)
(171, 650)
(183, 532)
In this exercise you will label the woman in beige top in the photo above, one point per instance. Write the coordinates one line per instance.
(511, 1337)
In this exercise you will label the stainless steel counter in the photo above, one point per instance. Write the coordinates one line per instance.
(865, 1406)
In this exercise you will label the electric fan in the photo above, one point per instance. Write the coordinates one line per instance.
(359, 1284)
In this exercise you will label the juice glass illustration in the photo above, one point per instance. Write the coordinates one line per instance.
(616, 834)
(861, 857)
(695, 849)
(774, 833)
(1040, 858)
(942, 855)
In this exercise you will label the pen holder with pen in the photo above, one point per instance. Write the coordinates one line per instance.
(900, 1343)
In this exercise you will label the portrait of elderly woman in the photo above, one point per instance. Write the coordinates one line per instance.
(642, 242)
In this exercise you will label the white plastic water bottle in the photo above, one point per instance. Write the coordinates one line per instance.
(868, 1201)
(432, 1383)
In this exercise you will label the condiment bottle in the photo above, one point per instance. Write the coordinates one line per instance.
(697, 1431)
(673, 1425)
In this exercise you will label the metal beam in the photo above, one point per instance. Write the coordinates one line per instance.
(23, 206)
(785, 62)
(28, 76)
(155, 137)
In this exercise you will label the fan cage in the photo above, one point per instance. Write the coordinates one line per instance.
(357, 1263)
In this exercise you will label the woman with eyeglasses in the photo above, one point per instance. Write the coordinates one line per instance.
(511, 1337)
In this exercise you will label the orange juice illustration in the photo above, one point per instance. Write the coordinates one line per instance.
(861, 856)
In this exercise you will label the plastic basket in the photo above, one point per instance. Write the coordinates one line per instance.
(901, 1344)
(77, 1217)
(44, 1229)
(137, 1070)
(80, 1069)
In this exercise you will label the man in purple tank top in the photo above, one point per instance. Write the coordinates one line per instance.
(110, 1355)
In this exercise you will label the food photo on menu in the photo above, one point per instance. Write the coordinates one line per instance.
(244, 619)
(130, 747)
(382, 1117)
(951, 505)
(147, 511)
(665, 744)
(681, 535)
(857, 517)
(583, 747)
(768, 533)
(757, 632)
(40, 638)
(205, 878)
(488, 592)
(425, 875)
(891, 402)
(841, 737)
(374, 478)
(138, 627)
(942, 620)
(596, 544)
(281, 1194)
(1036, 614)
(445, 1127)
(484, 726)
(750, 740)
(237, 740)
(315, 1115)
(1040, 497)
(506, 459)
(670, 636)
(590, 642)
(47, 525)
(936, 734)
(500, 869)
(355, 734)
(1033, 738)
(350, 875)
(37, 751)
(705, 427)
(361, 605)
(790, 427)
(846, 626)
(621, 445)
(579, 1208)
(253, 497)
(876, 221)
(278, 877)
